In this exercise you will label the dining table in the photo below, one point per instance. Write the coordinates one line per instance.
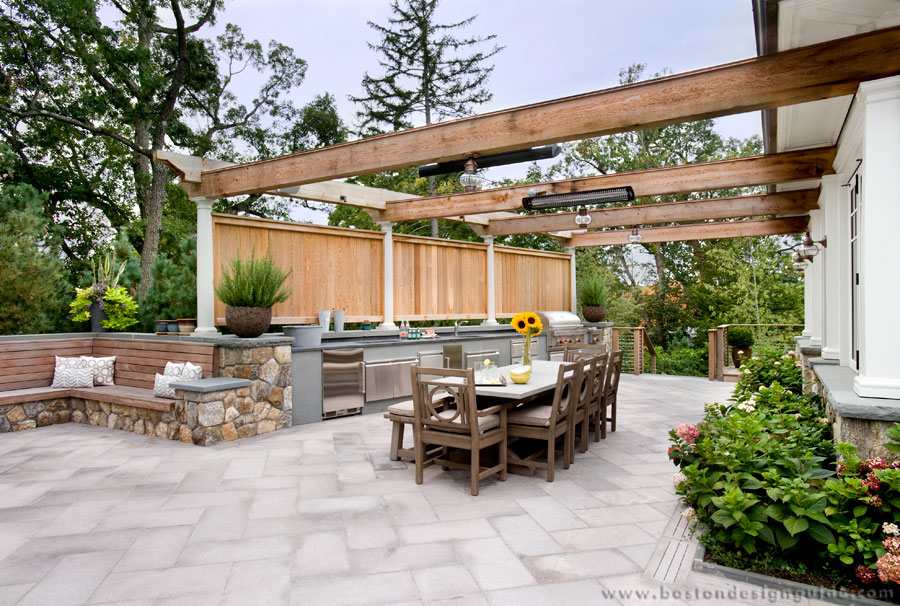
(543, 380)
(544, 374)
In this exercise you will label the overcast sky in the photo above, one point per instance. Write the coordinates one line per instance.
(553, 48)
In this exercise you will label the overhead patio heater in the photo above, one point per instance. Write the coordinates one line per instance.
(596, 196)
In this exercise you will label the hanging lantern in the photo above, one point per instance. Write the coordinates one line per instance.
(582, 219)
(635, 237)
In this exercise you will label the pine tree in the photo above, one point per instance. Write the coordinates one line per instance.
(425, 74)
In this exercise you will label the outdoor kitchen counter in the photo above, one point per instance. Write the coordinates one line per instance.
(376, 338)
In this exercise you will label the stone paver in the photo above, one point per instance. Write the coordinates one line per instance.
(318, 514)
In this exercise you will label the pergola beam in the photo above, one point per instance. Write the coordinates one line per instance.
(829, 69)
(722, 174)
(787, 203)
(696, 231)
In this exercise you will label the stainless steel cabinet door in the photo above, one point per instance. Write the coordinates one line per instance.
(379, 381)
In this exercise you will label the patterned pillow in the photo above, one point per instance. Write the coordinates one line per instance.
(68, 363)
(191, 372)
(104, 369)
(161, 387)
(173, 370)
(73, 377)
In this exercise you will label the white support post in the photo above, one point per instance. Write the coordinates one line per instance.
(388, 323)
(573, 291)
(491, 295)
(815, 277)
(206, 297)
(829, 257)
(879, 285)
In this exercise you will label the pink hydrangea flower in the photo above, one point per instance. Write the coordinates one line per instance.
(687, 432)
(892, 544)
(872, 482)
(876, 463)
(888, 567)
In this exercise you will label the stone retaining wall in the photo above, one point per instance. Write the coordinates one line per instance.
(268, 368)
(141, 421)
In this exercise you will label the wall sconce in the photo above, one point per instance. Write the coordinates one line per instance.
(635, 237)
(808, 247)
(799, 262)
(582, 219)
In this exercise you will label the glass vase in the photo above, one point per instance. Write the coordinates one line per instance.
(526, 350)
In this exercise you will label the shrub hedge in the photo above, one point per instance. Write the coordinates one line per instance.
(761, 476)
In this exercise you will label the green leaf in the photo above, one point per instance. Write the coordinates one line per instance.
(766, 534)
(723, 518)
(847, 560)
(860, 510)
(795, 525)
(785, 541)
(820, 533)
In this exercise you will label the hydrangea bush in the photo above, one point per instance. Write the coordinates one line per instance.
(760, 475)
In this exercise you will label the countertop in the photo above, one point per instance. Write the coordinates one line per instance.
(387, 339)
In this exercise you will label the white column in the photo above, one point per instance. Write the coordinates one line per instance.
(807, 304)
(206, 297)
(814, 279)
(829, 257)
(491, 295)
(879, 371)
(388, 323)
(573, 287)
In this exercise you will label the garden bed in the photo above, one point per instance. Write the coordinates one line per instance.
(773, 493)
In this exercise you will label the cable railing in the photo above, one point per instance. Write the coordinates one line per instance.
(721, 358)
(633, 341)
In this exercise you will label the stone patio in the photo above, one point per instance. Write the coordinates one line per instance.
(318, 514)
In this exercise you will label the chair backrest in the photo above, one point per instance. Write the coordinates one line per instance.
(613, 372)
(576, 351)
(30, 362)
(600, 372)
(565, 394)
(583, 385)
(444, 398)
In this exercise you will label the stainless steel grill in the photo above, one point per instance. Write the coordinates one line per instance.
(561, 327)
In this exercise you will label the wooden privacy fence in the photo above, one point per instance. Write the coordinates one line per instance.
(340, 268)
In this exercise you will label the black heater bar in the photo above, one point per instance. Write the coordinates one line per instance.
(513, 157)
(596, 196)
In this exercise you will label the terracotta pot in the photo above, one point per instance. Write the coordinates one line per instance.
(186, 325)
(248, 322)
(739, 355)
(594, 313)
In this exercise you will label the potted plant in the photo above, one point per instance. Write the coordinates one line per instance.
(104, 303)
(740, 338)
(249, 288)
(594, 297)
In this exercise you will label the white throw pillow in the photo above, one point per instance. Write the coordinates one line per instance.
(68, 363)
(161, 387)
(173, 370)
(103, 368)
(191, 372)
(69, 378)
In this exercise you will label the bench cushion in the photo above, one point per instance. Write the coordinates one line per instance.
(112, 394)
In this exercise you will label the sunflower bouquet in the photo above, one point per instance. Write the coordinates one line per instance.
(528, 324)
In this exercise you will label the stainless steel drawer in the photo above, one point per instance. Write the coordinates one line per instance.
(379, 381)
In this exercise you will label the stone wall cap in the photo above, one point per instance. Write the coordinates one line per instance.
(838, 383)
(211, 384)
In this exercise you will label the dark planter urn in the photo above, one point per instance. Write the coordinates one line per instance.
(739, 355)
(248, 322)
(98, 315)
(594, 313)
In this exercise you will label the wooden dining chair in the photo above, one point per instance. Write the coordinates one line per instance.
(610, 391)
(456, 423)
(575, 351)
(592, 415)
(546, 422)
(583, 391)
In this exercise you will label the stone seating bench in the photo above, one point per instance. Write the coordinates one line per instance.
(26, 373)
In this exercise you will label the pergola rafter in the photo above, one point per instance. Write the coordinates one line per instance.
(696, 231)
(797, 202)
(830, 69)
(785, 167)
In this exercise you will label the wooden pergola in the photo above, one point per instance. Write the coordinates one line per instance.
(830, 69)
